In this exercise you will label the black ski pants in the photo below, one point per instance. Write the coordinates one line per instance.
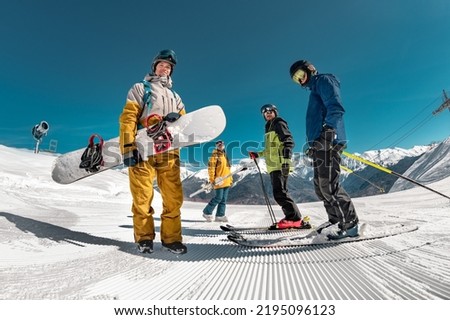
(337, 202)
(280, 193)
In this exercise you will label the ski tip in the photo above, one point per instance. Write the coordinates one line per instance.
(235, 238)
(362, 228)
(225, 228)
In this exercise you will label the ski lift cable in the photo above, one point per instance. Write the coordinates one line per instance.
(405, 124)
(411, 131)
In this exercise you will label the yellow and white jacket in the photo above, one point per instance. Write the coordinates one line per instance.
(163, 101)
(219, 166)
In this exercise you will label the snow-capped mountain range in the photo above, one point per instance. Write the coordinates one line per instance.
(425, 164)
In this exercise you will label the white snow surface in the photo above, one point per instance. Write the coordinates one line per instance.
(432, 166)
(76, 242)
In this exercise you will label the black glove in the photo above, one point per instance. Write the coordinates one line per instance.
(253, 155)
(325, 141)
(172, 117)
(132, 158)
(285, 169)
(287, 153)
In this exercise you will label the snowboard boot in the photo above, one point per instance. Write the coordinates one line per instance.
(208, 217)
(145, 246)
(221, 219)
(175, 247)
(340, 234)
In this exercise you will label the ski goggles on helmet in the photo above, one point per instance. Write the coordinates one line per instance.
(299, 76)
(219, 142)
(268, 110)
(167, 55)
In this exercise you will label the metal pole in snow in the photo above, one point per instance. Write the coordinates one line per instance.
(362, 178)
(381, 168)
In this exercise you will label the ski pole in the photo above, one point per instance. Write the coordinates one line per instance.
(377, 166)
(362, 178)
(266, 198)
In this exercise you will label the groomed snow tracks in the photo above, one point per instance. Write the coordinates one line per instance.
(389, 268)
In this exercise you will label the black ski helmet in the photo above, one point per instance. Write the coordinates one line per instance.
(270, 107)
(305, 66)
(166, 55)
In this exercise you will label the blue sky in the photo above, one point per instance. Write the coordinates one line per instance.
(71, 63)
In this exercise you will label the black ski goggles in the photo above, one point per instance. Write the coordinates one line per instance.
(168, 55)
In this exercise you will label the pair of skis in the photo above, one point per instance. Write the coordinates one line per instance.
(313, 237)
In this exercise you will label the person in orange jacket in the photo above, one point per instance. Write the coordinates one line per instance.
(154, 95)
(218, 168)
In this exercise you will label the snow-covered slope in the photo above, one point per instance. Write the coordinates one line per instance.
(433, 166)
(76, 242)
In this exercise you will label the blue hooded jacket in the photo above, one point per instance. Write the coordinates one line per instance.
(325, 108)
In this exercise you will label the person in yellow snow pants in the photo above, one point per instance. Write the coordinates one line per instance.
(165, 168)
(153, 96)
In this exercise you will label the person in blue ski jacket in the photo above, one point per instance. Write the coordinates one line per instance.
(326, 138)
(325, 109)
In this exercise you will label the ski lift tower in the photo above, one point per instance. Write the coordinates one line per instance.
(38, 132)
(445, 104)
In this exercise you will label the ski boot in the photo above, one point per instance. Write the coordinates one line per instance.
(340, 234)
(145, 246)
(175, 247)
(290, 224)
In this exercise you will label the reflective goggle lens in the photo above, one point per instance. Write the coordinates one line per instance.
(265, 110)
(298, 76)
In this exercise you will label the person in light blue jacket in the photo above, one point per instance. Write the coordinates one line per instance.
(326, 138)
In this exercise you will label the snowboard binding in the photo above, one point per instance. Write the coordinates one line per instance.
(157, 131)
(92, 158)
